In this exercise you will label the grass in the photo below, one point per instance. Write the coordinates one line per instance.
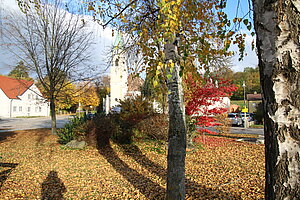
(257, 126)
(34, 166)
(240, 103)
(29, 116)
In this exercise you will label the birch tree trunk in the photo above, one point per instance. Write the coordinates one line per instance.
(277, 28)
(177, 131)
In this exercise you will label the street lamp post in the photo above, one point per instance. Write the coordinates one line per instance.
(245, 116)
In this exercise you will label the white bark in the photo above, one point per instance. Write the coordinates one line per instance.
(277, 28)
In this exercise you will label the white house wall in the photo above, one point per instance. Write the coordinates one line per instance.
(31, 103)
(4, 105)
(223, 103)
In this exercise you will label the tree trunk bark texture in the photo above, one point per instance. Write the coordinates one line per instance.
(53, 116)
(177, 132)
(277, 25)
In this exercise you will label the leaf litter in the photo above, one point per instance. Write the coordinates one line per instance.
(222, 169)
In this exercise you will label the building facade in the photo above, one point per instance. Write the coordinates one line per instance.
(21, 98)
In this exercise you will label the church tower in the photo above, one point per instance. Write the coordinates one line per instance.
(118, 73)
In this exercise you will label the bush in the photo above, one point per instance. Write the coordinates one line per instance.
(75, 129)
(133, 110)
(136, 116)
(101, 129)
(259, 114)
(155, 127)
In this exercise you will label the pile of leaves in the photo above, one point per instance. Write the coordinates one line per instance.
(35, 166)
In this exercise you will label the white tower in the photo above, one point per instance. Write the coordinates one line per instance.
(118, 73)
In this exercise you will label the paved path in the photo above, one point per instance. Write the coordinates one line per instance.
(242, 130)
(13, 124)
(258, 133)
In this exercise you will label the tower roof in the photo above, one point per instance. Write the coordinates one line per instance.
(119, 41)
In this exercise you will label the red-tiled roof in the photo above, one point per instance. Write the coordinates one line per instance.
(135, 83)
(14, 87)
(254, 97)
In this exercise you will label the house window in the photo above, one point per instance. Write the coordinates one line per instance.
(20, 108)
(15, 109)
(29, 96)
(28, 109)
(36, 109)
(36, 97)
(40, 109)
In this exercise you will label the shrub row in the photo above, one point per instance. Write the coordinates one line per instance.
(136, 120)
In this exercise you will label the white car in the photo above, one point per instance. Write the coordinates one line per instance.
(235, 119)
(116, 109)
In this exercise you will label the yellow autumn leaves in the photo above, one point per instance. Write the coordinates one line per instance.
(170, 15)
(227, 170)
(71, 94)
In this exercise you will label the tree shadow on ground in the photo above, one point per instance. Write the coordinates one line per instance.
(41, 135)
(194, 190)
(52, 187)
(146, 186)
(4, 173)
(5, 135)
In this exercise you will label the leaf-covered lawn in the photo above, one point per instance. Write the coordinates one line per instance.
(35, 166)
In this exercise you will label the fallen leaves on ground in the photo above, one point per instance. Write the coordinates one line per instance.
(35, 166)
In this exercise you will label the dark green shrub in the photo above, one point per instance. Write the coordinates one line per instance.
(259, 114)
(133, 110)
(75, 129)
(121, 127)
(101, 129)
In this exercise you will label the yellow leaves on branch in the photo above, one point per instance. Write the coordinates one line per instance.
(88, 96)
(170, 12)
(202, 33)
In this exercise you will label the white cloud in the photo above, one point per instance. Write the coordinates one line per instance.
(9, 4)
(102, 40)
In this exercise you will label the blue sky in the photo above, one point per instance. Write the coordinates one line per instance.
(102, 41)
(104, 38)
(239, 8)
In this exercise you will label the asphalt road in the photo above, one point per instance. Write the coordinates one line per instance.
(242, 130)
(13, 124)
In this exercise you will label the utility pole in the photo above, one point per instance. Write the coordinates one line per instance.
(245, 108)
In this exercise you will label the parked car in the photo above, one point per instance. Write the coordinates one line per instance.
(235, 119)
(116, 109)
(249, 116)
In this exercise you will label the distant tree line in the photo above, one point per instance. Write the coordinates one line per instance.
(249, 75)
